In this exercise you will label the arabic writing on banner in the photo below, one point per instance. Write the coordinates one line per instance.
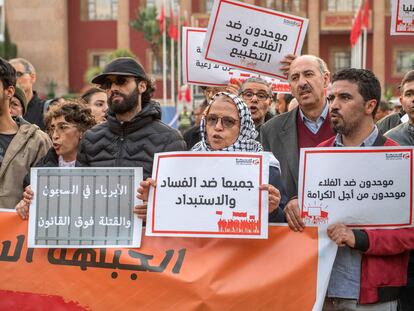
(209, 194)
(402, 17)
(252, 38)
(76, 278)
(84, 207)
(196, 70)
(362, 187)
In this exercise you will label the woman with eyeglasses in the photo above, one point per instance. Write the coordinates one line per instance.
(227, 125)
(66, 123)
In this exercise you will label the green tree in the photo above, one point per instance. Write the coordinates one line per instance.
(8, 49)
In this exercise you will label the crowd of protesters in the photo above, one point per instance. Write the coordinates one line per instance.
(118, 124)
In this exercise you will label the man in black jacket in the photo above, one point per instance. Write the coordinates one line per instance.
(134, 131)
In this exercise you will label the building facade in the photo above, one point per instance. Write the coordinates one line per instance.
(64, 38)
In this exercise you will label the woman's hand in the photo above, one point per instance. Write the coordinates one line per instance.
(22, 208)
(274, 196)
(143, 194)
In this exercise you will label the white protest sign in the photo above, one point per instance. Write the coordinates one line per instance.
(402, 17)
(252, 38)
(361, 187)
(196, 70)
(209, 194)
(84, 207)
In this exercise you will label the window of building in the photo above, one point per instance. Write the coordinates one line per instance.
(102, 9)
(404, 60)
(342, 5)
(209, 5)
(286, 5)
(97, 58)
(340, 59)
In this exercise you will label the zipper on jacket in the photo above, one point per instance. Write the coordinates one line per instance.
(121, 142)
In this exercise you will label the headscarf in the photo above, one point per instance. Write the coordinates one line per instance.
(245, 142)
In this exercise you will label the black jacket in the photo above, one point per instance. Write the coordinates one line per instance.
(129, 144)
(34, 112)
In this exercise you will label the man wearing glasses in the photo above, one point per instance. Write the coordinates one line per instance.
(134, 130)
(257, 94)
(26, 78)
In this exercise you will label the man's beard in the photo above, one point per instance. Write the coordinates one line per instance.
(344, 128)
(128, 103)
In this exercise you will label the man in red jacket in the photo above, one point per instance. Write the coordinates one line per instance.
(371, 265)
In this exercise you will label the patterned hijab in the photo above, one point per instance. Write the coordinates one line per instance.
(245, 142)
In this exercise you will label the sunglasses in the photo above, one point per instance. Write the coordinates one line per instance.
(227, 122)
(118, 80)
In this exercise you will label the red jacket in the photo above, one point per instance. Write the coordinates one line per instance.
(384, 264)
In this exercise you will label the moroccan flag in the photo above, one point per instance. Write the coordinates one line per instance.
(188, 94)
(365, 15)
(356, 28)
(172, 28)
(162, 18)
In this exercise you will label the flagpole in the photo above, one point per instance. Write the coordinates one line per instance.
(364, 49)
(179, 51)
(164, 61)
(172, 70)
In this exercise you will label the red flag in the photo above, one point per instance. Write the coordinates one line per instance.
(365, 15)
(162, 18)
(188, 94)
(172, 28)
(356, 28)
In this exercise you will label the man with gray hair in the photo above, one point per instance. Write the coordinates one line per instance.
(26, 78)
(257, 94)
(305, 126)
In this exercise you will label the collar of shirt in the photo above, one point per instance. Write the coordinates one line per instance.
(314, 126)
(368, 142)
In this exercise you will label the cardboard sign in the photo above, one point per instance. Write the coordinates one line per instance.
(361, 187)
(210, 194)
(84, 207)
(252, 38)
(402, 17)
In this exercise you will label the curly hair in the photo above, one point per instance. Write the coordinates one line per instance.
(74, 112)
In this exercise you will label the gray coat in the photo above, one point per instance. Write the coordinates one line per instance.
(279, 135)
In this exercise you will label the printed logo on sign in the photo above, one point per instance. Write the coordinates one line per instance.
(397, 156)
(315, 215)
(247, 161)
(291, 22)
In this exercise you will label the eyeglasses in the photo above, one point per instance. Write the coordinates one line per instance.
(227, 122)
(60, 128)
(118, 80)
(19, 73)
(261, 96)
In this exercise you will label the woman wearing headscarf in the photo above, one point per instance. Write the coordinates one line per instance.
(227, 125)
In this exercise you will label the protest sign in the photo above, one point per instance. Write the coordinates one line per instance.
(213, 194)
(208, 274)
(402, 17)
(196, 70)
(361, 187)
(252, 38)
(84, 207)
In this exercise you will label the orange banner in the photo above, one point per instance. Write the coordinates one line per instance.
(279, 273)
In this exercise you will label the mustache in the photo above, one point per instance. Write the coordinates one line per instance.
(116, 93)
(305, 88)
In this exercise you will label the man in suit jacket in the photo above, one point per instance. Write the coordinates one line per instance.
(305, 126)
